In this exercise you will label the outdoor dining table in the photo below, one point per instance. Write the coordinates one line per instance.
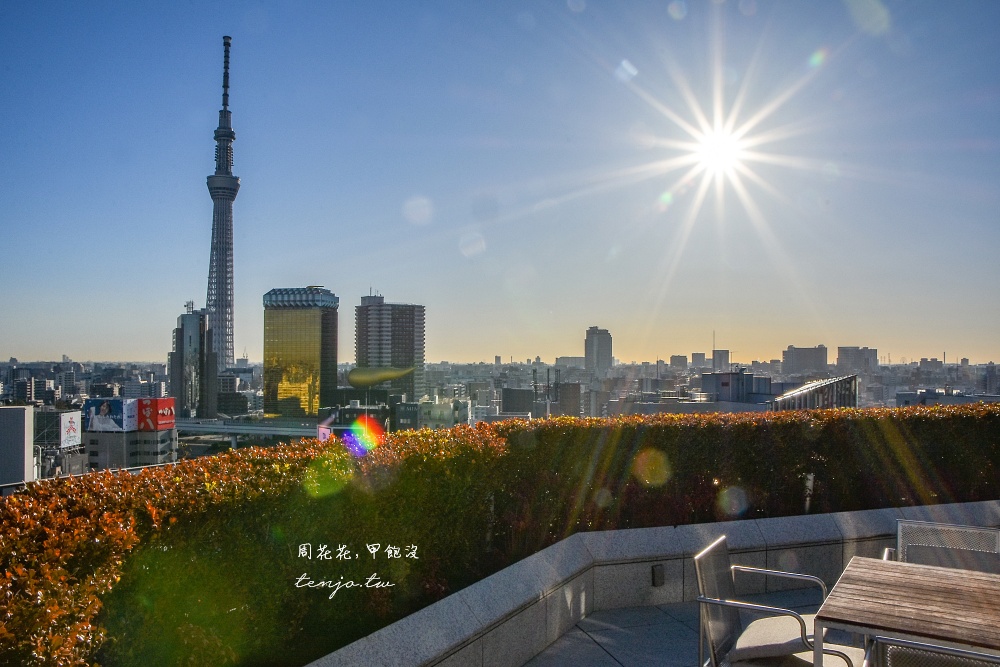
(937, 605)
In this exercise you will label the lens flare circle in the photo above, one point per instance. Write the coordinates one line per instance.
(651, 467)
(732, 502)
(603, 498)
(365, 435)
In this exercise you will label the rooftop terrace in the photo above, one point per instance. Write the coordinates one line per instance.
(658, 635)
(626, 597)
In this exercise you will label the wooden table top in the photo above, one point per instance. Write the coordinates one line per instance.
(960, 606)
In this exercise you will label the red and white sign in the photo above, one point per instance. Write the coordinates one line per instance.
(156, 414)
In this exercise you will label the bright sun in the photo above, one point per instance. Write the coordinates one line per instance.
(719, 152)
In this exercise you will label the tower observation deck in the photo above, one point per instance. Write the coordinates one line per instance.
(223, 186)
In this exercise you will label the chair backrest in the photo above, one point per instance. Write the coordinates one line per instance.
(944, 536)
(962, 559)
(900, 653)
(721, 625)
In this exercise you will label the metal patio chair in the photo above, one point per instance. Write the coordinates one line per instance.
(946, 545)
(902, 653)
(783, 637)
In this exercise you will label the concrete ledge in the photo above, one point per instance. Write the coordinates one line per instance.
(511, 616)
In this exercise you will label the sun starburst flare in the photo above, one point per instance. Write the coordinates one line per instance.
(715, 149)
(719, 152)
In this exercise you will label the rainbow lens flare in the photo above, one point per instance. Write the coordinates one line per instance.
(365, 435)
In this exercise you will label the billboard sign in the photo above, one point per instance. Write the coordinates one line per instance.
(70, 425)
(110, 414)
(156, 414)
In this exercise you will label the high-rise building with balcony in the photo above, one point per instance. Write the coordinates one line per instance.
(300, 351)
(597, 351)
(391, 335)
(223, 186)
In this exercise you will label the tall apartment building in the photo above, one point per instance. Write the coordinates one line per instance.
(856, 359)
(796, 360)
(391, 335)
(597, 351)
(193, 366)
(300, 351)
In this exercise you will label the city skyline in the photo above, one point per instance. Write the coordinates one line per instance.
(776, 173)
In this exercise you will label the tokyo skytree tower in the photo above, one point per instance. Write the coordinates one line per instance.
(223, 186)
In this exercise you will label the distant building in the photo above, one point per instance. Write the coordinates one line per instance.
(991, 379)
(720, 360)
(698, 360)
(391, 335)
(679, 361)
(17, 433)
(597, 352)
(933, 364)
(484, 413)
(567, 397)
(300, 350)
(801, 360)
(738, 386)
(727, 391)
(857, 359)
(228, 383)
(24, 390)
(128, 433)
(233, 403)
(946, 397)
(193, 366)
(521, 401)
(839, 392)
(66, 381)
(132, 449)
(58, 429)
(571, 362)
(338, 421)
(440, 413)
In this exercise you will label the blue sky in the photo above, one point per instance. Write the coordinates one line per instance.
(523, 169)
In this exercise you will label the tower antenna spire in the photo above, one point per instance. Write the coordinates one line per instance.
(226, 41)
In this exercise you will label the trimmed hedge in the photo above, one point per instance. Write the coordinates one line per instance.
(198, 563)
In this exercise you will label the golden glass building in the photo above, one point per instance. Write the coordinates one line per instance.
(300, 351)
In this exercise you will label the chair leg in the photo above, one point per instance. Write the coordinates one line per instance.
(701, 635)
